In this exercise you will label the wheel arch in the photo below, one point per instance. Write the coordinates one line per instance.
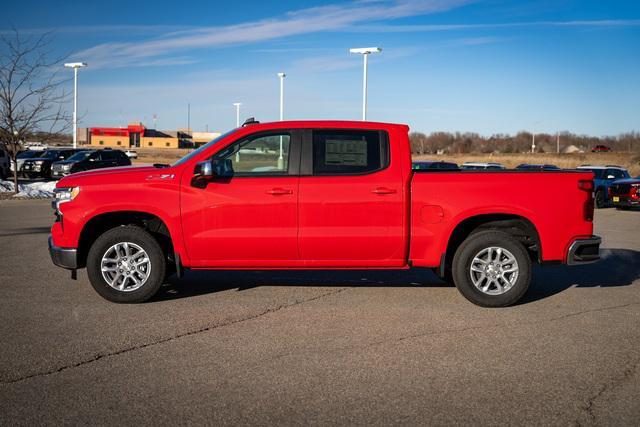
(105, 221)
(518, 226)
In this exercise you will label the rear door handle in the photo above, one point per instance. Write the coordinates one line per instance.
(384, 190)
(279, 191)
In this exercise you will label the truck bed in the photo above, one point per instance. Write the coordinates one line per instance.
(442, 200)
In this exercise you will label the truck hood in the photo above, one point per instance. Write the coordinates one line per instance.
(113, 175)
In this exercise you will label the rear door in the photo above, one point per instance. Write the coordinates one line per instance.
(351, 200)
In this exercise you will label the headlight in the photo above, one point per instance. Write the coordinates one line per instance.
(63, 195)
(39, 162)
(66, 167)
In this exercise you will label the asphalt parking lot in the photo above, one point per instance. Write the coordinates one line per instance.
(318, 347)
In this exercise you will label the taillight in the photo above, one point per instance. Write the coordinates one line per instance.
(585, 184)
(635, 194)
(588, 208)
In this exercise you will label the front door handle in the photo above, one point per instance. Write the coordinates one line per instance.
(279, 191)
(384, 190)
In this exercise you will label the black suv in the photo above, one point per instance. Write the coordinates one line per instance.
(40, 167)
(88, 160)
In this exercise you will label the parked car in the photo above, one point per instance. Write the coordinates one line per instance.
(604, 176)
(434, 165)
(89, 160)
(36, 146)
(537, 167)
(625, 193)
(600, 149)
(359, 205)
(132, 154)
(22, 156)
(481, 166)
(4, 164)
(40, 167)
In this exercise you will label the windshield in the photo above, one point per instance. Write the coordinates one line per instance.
(80, 156)
(202, 148)
(50, 154)
(29, 154)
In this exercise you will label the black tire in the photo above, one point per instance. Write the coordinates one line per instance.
(472, 246)
(140, 237)
(600, 200)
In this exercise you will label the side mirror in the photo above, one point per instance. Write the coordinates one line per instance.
(202, 174)
(208, 170)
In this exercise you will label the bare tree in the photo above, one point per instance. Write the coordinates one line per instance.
(32, 97)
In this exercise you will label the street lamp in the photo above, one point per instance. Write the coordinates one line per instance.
(365, 51)
(75, 66)
(533, 138)
(237, 105)
(282, 76)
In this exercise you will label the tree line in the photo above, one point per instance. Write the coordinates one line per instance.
(468, 142)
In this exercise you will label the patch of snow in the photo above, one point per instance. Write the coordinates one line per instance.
(32, 190)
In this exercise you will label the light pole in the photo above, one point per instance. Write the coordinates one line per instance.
(365, 51)
(282, 76)
(75, 66)
(237, 105)
(533, 138)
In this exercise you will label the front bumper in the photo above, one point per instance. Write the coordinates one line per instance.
(59, 174)
(63, 257)
(584, 251)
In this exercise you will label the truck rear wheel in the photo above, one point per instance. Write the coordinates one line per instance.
(126, 265)
(492, 269)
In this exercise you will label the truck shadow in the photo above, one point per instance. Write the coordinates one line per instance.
(618, 267)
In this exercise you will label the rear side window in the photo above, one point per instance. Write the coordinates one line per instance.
(346, 152)
(108, 155)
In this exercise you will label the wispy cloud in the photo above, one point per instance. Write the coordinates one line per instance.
(304, 21)
(384, 28)
(101, 29)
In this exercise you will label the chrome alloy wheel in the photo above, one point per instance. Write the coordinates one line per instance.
(125, 266)
(494, 270)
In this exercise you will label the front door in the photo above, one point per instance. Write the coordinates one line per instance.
(249, 219)
(351, 202)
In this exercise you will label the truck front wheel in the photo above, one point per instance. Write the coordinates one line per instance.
(492, 269)
(126, 265)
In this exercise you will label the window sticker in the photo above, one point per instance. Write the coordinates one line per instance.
(346, 152)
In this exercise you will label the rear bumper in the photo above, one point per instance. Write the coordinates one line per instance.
(626, 202)
(63, 257)
(584, 251)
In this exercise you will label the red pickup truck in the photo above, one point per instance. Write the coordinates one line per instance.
(319, 195)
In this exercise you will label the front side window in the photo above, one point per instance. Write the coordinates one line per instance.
(259, 155)
(346, 152)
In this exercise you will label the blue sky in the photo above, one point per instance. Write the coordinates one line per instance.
(492, 66)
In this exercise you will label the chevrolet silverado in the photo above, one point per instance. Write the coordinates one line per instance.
(319, 195)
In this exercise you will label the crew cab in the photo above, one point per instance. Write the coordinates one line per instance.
(319, 195)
